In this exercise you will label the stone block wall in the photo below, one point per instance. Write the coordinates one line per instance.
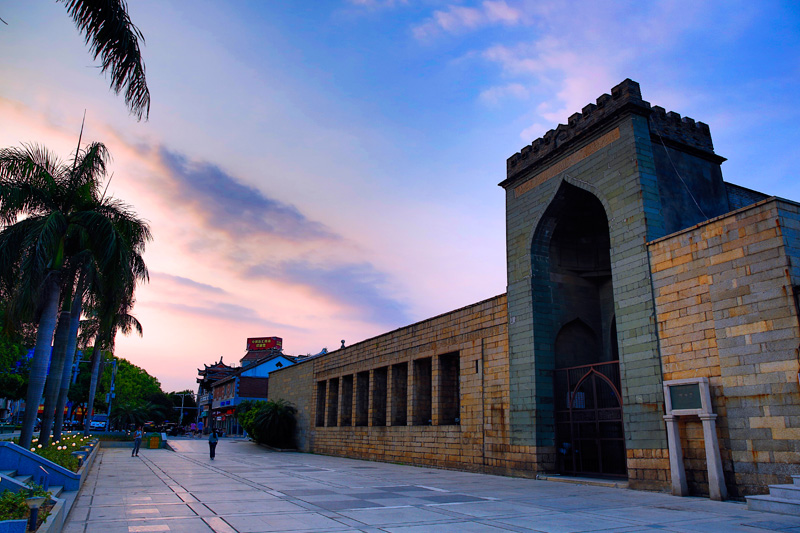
(437, 394)
(294, 384)
(726, 311)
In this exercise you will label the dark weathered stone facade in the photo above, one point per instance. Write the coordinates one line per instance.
(630, 262)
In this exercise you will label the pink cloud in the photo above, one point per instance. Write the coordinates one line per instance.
(458, 19)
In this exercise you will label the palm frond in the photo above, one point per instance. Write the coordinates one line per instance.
(115, 40)
(29, 181)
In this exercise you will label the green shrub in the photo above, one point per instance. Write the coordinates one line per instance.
(13, 506)
(271, 423)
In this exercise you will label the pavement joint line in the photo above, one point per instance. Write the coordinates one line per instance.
(264, 488)
(511, 504)
(310, 507)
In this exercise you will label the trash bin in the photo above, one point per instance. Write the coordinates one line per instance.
(154, 441)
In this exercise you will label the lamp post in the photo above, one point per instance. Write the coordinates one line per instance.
(111, 394)
(33, 504)
(183, 396)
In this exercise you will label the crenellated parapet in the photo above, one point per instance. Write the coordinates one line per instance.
(669, 127)
(682, 130)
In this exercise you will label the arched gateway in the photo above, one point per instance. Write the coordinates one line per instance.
(582, 203)
(572, 276)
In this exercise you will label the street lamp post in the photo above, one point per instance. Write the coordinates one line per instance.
(183, 396)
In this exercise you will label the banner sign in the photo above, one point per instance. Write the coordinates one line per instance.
(264, 343)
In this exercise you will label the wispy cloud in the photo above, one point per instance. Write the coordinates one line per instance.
(263, 239)
(186, 282)
(224, 311)
(357, 286)
(224, 203)
(459, 19)
(494, 95)
(565, 65)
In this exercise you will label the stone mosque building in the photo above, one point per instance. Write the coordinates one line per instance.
(650, 319)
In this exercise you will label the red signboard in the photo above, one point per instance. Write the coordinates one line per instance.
(264, 343)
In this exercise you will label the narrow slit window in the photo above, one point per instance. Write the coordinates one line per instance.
(400, 394)
(449, 394)
(422, 391)
(362, 399)
(379, 386)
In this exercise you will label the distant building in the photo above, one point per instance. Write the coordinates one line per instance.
(223, 387)
(209, 375)
(250, 382)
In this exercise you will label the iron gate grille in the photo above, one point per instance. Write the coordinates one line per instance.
(588, 410)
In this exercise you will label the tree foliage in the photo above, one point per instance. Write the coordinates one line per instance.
(272, 422)
(133, 384)
(14, 368)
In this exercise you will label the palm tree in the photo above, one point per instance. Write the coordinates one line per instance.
(111, 315)
(71, 349)
(115, 40)
(130, 413)
(66, 218)
(114, 290)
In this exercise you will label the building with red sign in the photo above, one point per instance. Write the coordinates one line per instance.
(223, 387)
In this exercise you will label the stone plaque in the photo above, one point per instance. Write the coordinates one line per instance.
(685, 396)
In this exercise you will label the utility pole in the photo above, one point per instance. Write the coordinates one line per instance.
(111, 393)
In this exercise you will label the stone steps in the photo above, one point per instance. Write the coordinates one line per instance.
(782, 499)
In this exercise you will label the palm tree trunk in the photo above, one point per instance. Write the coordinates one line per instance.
(96, 357)
(54, 377)
(72, 344)
(41, 357)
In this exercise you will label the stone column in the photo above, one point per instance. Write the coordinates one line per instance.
(436, 367)
(390, 392)
(411, 394)
(370, 396)
(677, 472)
(716, 478)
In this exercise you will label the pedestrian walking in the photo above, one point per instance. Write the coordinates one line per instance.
(194, 429)
(213, 438)
(200, 427)
(137, 441)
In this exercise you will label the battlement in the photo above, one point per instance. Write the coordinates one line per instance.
(669, 126)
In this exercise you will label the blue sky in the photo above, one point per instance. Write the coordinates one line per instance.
(328, 170)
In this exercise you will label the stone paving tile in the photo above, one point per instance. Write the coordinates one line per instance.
(250, 489)
(253, 506)
(450, 527)
(572, 521)
(396, 516)
(284, 522)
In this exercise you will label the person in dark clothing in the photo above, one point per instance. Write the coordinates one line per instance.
(213, 438)
(137, 441)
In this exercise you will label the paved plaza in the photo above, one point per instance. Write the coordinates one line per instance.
(250, 489)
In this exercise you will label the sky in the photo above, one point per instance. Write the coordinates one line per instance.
(326, 171)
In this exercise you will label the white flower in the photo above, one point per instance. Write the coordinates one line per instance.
(33, 449)
(38, 445)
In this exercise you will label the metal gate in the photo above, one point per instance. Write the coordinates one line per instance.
(588, 413)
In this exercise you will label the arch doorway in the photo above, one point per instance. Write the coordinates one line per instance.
(575, 309)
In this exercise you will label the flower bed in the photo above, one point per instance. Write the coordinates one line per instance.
(60, 452)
